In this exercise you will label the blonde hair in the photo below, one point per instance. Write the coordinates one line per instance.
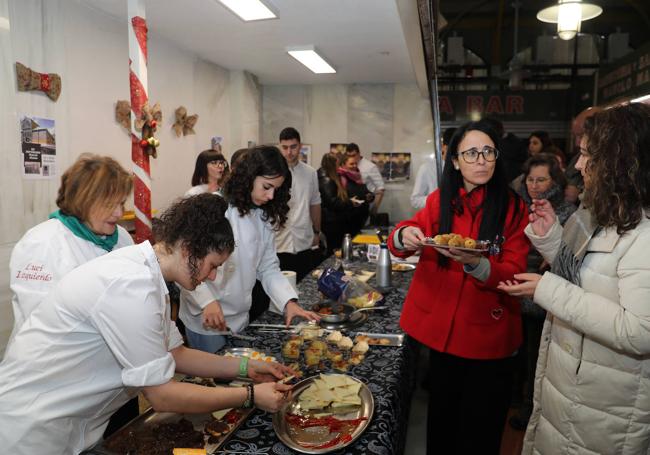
(92, 180)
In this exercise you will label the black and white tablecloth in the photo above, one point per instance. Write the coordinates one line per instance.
(389, 373)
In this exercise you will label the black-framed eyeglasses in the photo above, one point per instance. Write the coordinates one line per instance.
(218, 163)
(471, 155)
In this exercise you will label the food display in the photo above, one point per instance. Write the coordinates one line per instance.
(457, 241)
(327, 412)
(365, 300)
(400, 267)
(379, 339)
(345, 343)
(157, 439)
(250, 353)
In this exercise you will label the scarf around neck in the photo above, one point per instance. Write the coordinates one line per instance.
(82, 231)
(578, 231)
(347, 174)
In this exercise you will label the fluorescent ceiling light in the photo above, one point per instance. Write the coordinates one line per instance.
(250, 10)
(310, 58)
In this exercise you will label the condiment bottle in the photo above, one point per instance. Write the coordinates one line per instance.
(384, 267)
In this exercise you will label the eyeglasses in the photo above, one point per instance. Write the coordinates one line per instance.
(488, 153)
(540, 180)
(218, 163)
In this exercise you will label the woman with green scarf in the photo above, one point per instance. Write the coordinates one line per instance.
(91, 200)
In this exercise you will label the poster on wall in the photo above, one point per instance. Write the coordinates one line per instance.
(394, 167)
(305, 153)
(38, 146)
(337, 148)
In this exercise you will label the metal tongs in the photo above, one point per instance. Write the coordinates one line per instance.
(229, 333)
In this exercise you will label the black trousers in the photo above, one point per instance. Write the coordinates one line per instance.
(129, 411)
(468, 404)
(302, 262)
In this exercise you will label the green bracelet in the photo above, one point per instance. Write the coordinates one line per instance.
(243, 367)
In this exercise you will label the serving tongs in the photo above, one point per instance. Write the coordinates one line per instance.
(229, 333)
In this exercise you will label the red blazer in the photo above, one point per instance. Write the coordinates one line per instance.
(453, 312)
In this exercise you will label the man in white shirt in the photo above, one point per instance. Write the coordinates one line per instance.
(297, 243)
(426, 181)
(369, 174)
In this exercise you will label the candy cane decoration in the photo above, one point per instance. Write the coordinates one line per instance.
(138, 88)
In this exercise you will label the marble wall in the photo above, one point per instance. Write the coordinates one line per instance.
(378, 117)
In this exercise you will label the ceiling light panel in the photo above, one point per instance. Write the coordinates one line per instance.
(250, 10)
(309, 57)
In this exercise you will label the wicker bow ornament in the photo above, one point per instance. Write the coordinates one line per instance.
(48, 83)
(184, 123)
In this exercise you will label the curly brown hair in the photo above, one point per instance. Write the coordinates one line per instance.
(199, 225)
(261, 161)
(618, 147)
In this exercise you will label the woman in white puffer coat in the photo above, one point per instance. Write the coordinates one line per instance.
(592, 385)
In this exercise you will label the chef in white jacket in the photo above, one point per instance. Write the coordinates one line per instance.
(91, 202)
(257, 193)
(104, 333)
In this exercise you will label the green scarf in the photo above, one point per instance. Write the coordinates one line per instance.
(83, 232)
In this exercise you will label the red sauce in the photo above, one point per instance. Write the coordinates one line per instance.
(232, 416)
(343, 427)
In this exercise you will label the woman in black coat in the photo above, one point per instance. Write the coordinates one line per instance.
(336, 207)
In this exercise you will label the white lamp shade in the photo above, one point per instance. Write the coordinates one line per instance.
(551, 14)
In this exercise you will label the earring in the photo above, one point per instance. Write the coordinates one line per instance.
(457, 167)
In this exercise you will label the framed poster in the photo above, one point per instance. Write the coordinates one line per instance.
(38, 145)
(337, 148)
(305, 153)
(394, 167)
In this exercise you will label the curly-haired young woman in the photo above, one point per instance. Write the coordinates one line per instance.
(592, 385)
(257, 193)
(104, 333)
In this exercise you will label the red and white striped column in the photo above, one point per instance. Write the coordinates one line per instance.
(138, 88)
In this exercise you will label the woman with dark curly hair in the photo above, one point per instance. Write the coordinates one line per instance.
(257, 193)
(592, 386)
(105, 333)
(210, 173)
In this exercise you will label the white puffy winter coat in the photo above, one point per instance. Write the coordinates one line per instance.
(592, 385)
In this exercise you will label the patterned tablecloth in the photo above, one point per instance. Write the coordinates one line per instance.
(389, 372)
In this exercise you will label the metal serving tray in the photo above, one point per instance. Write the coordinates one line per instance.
(151, 418)
(281, 427)
(382, 339)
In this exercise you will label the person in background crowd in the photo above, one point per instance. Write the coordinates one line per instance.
(574, 177)
(336, 205)
(453, 305)
(257, 194)
(91, 201)
(513, 150)
(542, 179)
(593, 372)
(297, 242)
(104, 334)
(541, 142)
(237, 157)
(359, 195)
(426, 181)
(369, 174)
(210, 173)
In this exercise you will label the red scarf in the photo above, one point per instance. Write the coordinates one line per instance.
(346, 174)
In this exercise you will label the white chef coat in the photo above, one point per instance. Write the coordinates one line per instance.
(425, 184)
(254, 258)
(44, 255)
(200, 189)
(298, 232)
(370, 175)
(100, 335)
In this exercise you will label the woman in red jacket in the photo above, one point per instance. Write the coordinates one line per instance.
(453, 305)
